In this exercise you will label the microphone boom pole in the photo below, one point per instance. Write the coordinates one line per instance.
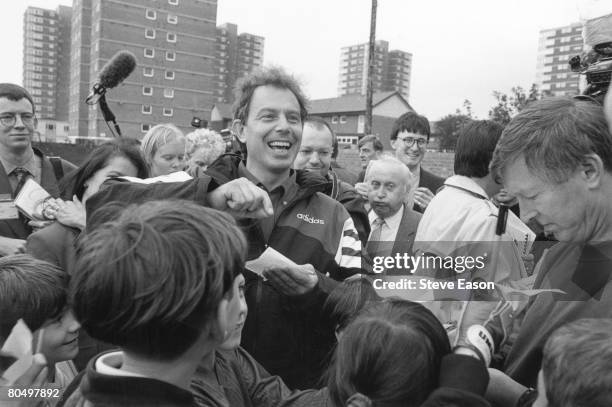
(109, 116)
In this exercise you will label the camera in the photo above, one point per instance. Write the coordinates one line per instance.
(596, 65)
(199, 123)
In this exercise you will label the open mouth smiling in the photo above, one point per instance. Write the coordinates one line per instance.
(280, 145)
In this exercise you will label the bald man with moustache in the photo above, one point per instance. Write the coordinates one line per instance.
(393, 222)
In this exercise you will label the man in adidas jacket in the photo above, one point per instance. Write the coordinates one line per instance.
(286, 330)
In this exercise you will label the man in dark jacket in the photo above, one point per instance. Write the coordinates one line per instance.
(18, 162)
(318, 144)
(409, 139)
(555, 157)
(285, 330)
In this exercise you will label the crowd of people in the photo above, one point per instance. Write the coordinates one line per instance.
(153, 293)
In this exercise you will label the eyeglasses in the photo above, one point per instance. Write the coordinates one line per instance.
(409, 141)
(9, 119)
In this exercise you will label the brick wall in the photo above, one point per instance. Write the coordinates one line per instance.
(439, 163)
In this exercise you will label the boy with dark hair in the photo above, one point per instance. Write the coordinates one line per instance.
(156, 282)
(409, 139)
(36, 292)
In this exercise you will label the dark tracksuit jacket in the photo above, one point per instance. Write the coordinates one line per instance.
(18, 228)
(289, 336)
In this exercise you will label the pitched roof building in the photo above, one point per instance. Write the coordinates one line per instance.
(346, 114)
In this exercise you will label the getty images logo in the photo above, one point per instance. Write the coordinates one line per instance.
(310, 219)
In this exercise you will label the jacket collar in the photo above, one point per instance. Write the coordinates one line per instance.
(225, 169)
(466, 184)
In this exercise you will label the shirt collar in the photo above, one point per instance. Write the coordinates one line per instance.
(463, 182)
(288, 184)
(30, 165)
(110, 364)
(392, 221)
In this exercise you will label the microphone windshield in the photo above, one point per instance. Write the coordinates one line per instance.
(117, 69)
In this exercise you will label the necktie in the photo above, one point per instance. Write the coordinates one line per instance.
(374, 240)
(22, 176)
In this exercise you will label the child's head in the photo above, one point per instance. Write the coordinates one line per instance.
(36, 291)
(120, 157)
(163, 148)
(577, 366)
(158, 278)
(391, 354)
(347, 300)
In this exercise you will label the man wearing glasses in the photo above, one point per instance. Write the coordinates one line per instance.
(19, 161)
(409, 139)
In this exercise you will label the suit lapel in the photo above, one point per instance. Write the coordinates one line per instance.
(47, 176)
(406, 231)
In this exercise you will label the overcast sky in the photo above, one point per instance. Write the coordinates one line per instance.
(461, 49)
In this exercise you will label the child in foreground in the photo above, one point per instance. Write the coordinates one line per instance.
(36, 292)
(157, 282)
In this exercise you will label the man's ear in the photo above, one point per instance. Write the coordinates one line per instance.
(592, 170)
(238, 130)
(393, 144)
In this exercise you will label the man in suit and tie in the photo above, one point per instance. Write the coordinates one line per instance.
(393, 223)
(409, 139)
(20, 161)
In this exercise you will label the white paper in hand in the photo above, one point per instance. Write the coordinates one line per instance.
(18, 345)
(269, 259)
(178, 176)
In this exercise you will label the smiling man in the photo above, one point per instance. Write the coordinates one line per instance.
(555, 157)
(285, 330)
(19, 161)
(409, 139)
(318, 141)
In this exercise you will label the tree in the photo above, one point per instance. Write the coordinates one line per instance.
(509, 105)
(467, 106)
(447, 129)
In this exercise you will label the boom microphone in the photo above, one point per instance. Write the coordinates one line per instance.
(116, 70)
